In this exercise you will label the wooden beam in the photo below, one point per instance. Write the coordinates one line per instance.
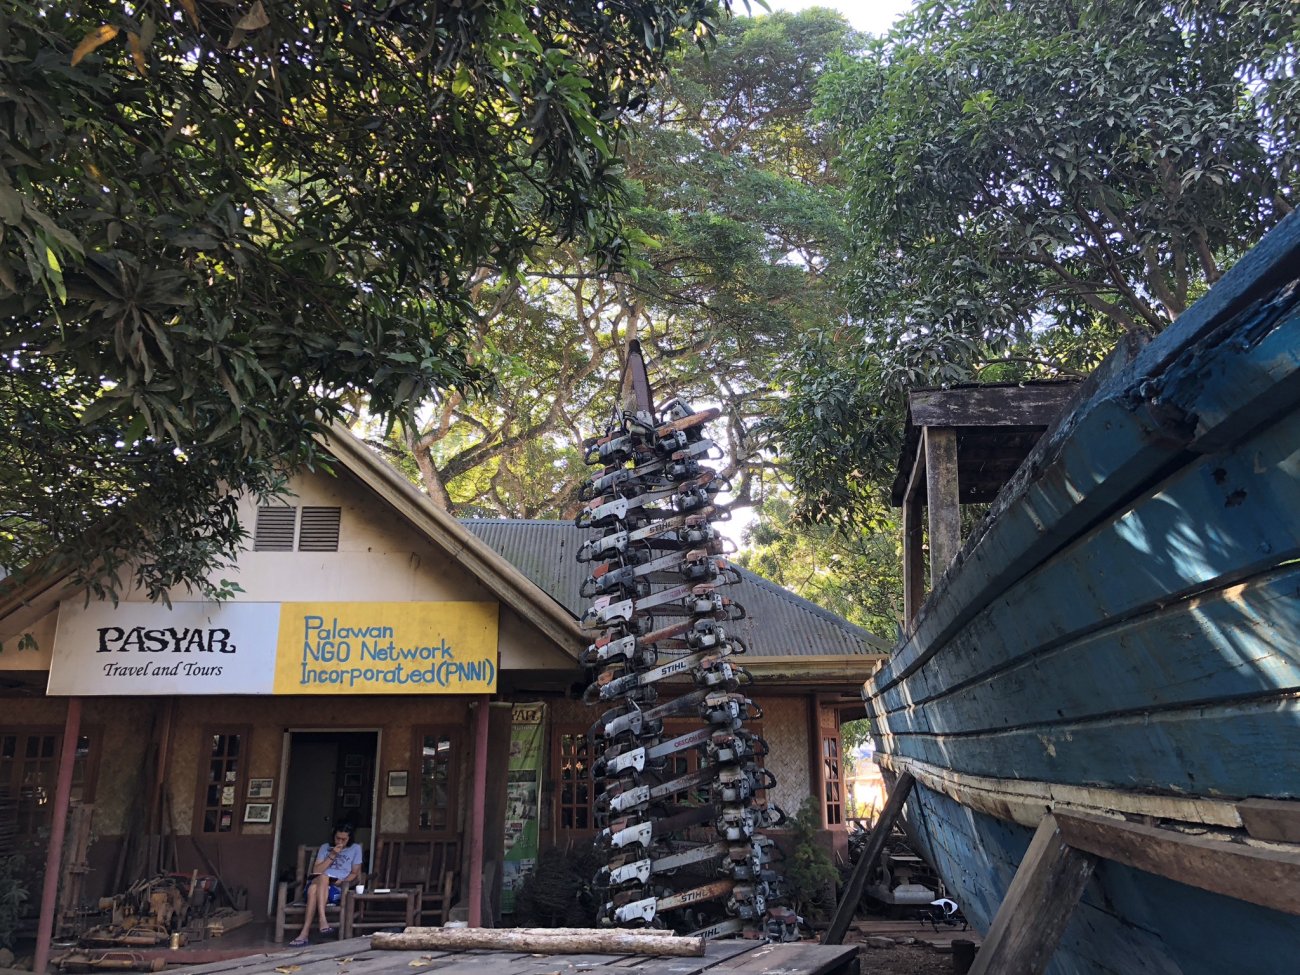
(914, 538)
(1034, 914)
(1271, 819)
(913, 560)
(1267, 877)
(58, 828)
(478, 813)
(916, 477)
(852, 893)
(996, 406)
(941, 500)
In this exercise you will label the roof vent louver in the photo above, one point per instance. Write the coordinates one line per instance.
(274, 531)
(320, 530)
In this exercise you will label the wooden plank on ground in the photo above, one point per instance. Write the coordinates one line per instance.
(477, 963)
(631, 961)
(375, 962)
(225, 923)
(268, 961)
(1267, 877)
(565, 964)
(715, 953)
(1038, 905)
(795, 958)
(649, 965)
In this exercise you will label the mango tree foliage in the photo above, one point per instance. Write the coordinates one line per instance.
(223, 222)
(856, 575)
(1030, 175)
(732, 221)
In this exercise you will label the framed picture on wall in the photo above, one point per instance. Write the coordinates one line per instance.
(354, 760)
(261, 788)
(352, 800)
(257, 812)
(352, 780)
(397, 783)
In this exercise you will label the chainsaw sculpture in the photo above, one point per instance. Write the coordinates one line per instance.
(656, 579)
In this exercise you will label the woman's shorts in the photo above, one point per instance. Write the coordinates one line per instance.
(335, 895)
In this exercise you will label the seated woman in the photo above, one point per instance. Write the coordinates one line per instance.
(336, 867)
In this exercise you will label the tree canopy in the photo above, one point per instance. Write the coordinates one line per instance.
(221, 221)
(1027, 181)
(732, 217)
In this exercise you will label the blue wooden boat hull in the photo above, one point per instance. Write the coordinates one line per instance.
(1128, 923)
(1122, 636)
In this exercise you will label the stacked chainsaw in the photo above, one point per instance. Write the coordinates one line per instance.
(684, 846)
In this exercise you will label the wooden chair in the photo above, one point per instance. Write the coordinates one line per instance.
(412, 865)
(291, 908)
(432, 865)
(440, 887)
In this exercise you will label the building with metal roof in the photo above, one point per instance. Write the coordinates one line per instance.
(778, 623)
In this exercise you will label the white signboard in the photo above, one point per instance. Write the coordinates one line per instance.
(143, 648)
(275, 648)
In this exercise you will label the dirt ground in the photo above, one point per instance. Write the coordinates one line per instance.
(904, 960)
(888, 947)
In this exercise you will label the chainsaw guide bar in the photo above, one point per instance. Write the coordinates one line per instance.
(680, 815)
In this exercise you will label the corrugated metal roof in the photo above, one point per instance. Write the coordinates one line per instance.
(779, 623)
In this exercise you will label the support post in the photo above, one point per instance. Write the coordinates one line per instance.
(848, 904)
(1034, 914)
(478, 814)
(914, 538)
(942, 499)
(58, 829)
(157, 827)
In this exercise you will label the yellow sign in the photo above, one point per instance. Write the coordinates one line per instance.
(387, 648)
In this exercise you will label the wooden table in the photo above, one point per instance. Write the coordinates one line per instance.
(403, 909)
(356, 957)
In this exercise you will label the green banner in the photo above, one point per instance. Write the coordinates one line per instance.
(523, 787)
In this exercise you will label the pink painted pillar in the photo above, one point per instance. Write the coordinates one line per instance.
(478, 814)
(58, 829)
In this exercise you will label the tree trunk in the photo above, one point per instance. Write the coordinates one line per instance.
(545, 941)
(428, 472)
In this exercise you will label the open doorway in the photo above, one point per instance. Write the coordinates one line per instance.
(329, 780)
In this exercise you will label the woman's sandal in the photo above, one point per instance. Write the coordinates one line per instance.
(299, 943)
(327, 931)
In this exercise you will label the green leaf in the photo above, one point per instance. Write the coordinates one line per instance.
(11, 205)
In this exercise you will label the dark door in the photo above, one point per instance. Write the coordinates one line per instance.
(331, 781)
